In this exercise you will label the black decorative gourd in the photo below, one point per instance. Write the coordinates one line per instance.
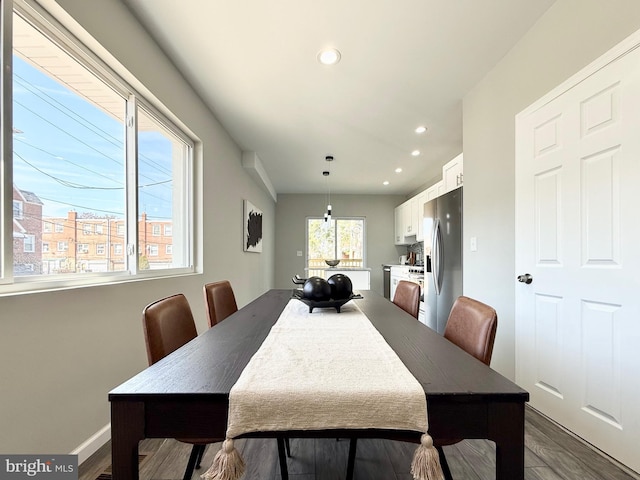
(317, 289)
(341, 286)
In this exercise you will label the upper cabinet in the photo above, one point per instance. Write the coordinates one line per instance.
(411, 217)
(421, 199)
(408, 216)
(399, 225)
(434, 191)
(452, 174)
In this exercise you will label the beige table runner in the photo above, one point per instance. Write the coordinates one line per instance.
(324, 370)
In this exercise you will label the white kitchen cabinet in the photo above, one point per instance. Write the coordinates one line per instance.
(422, 199)
(399, 225)
(435, 190)
(410, 216)
(452, 174)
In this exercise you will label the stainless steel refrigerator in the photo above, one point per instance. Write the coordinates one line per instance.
(443, 242)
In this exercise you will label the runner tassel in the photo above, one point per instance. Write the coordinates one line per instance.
(227, 464)
(426, 461)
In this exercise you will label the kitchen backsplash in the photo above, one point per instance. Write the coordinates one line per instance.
(418, 249)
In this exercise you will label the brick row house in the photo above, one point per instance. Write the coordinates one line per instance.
(27, 232)
(86, 243)
(81, 242)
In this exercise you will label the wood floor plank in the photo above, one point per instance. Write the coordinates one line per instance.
(372, 461)
(594, 460)
(331, 458)
(550, 454)
(302, 460)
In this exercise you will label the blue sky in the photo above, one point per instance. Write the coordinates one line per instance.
(70, 153)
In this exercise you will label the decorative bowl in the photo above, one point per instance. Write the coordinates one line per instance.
(332, 263)
(331, 303)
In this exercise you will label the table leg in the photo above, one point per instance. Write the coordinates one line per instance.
(127, 429)
(506, 427)
(284, 473)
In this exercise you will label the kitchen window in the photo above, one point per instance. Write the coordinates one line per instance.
(340, 238)
(85, 149)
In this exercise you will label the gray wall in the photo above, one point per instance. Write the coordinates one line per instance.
(293, 209)
(61, 352)
(568, 37)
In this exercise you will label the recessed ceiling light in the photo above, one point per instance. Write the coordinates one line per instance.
(421, 129)
(329, 56)
(386, 182)
(415, 153)
(398, 170)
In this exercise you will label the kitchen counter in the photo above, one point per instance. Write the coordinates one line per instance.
(360, 276)
(338, 267)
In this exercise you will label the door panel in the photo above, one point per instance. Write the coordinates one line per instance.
(578, 235)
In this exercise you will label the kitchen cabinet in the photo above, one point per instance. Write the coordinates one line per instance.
(452, 174)
(435, 190)
(397, 273)
(399, 225)
(421, 200)
(411, 217)
(408, 217)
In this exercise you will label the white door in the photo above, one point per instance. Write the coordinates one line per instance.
(578, 236)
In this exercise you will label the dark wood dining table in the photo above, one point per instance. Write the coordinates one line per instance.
(186, 395)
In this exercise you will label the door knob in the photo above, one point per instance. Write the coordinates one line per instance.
(526, 278)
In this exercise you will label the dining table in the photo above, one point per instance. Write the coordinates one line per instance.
(186, 394)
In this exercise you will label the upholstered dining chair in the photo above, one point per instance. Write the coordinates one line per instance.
(407, 297)
(219, 300)
(471, 326)
(168, 325)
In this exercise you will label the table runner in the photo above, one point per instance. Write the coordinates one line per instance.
(325, 370)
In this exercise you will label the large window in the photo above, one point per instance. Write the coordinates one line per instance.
(90, 161)
(339, 238)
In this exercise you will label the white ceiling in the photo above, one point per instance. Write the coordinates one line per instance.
(404, 63)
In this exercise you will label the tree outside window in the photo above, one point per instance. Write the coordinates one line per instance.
(340, 238)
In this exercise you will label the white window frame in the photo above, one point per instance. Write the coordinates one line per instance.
(31, 243)
(121, 81)
(155, 230)
(18, 206)
(364, 238)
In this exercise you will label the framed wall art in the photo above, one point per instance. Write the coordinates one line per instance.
(252, 237)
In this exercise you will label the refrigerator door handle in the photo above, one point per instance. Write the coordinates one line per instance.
(436, 258)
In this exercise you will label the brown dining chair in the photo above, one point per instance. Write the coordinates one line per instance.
(168, 325)
(219, 300)
(471, 326)
(407, 297)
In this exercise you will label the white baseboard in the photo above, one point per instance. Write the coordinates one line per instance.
(93, 443)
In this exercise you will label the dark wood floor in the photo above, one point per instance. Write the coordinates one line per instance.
(551, 454)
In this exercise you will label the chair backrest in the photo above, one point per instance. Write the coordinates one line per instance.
(472, 326)
(168, 324)
(219, 300)
(407, 297)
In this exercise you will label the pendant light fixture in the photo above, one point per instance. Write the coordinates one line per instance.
(326, 173)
